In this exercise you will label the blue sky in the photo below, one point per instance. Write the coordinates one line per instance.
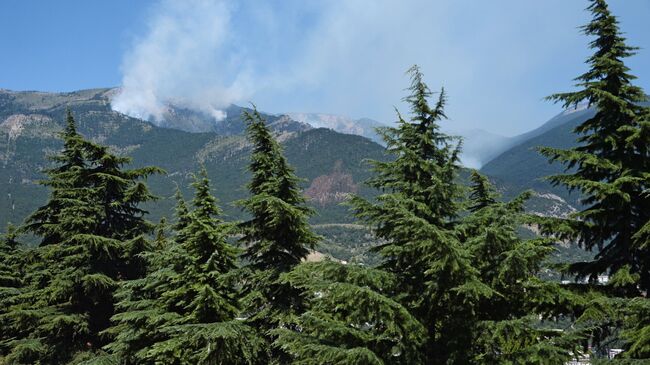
(497, 59)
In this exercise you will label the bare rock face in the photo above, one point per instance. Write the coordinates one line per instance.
(332, 188)
(27, 126)
(17, 124)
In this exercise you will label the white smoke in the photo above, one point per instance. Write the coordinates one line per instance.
(181, 59)
(348, 57)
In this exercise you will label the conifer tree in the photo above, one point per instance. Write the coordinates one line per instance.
(610, 168)
(90, 230)
(481, 192)
(182, 214)
(611, 164)
(277, 236)
(183, 311)
(139, 313)
(64, 180)
(12, 267)
(508, 329)
(278, 232)
(415, 216)
(10, 270)
(350, 318)
(160, 234)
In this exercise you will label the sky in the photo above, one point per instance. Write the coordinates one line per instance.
(497, 60)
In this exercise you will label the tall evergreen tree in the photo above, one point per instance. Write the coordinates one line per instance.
(12, 266)
(139, 314)
(415, 216)
(482, 193)
(278, 233)
(277, 236)
(183, 311)
(611, 169)
(508, 329)
(610, 166)
(65, 181)
(350, 318)
(90, 230)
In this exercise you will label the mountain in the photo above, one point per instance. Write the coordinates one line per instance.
(175, 116)
(479, 146)
(362, 127)
(227, 122)
(29, 122)
(581, 112)
(521, 167)
(330, 162)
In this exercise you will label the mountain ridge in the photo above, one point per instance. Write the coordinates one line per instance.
(29, 123)
(521, 167)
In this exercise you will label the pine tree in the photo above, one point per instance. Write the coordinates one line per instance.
(481, 192)
(10, 270)
(351, 318)
(65, 180)
(12, 265)
(277, 236)
(140, 314)
(610, 168)
(508, 329)
(160, 234)
(611, 164)
(278, 233)
(183, 311)
(91, 230)
(415, 216)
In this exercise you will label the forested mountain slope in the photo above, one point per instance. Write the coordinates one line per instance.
(30, 121)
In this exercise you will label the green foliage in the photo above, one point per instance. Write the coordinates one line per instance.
(482, 193)
(351, 318)
(609, 168)
(611, 163)
(507, 330)
(277, 236)
(637, 329)
(415, 216)
(183, 311)
(91, 231)
(12, 273)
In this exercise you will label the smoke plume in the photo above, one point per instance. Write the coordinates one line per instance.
(348, 57)
(182, 59)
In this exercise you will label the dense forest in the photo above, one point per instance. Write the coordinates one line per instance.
(455, 281)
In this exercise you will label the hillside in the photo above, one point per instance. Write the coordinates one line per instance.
(521, 167)
(330, 162)
(29, 122)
